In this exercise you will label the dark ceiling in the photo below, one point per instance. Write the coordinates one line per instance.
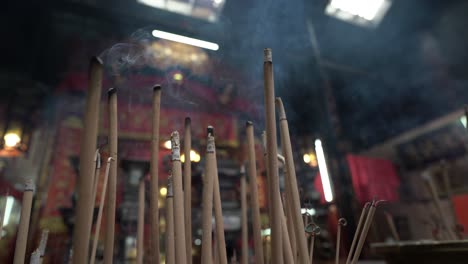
(407, 71)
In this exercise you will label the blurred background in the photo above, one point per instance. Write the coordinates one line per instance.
(374, 93)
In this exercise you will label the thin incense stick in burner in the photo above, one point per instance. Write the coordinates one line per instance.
(97, 164)
(365, 230)
(84, 185)
(141, 221)
(154, 188)
(109, 239)
(245, 234)
(341, 222)
(23, 227)
(358, 231)
(392, 227)
(188, 189)
(43, 244)
(255, 208)
(313, 230)
(272, 151)
(435, 199)
(207, 210)
(213, 169)
(286, 242)
(2, 212)
(170, 243)
(100, 211)
(293, 190)
(179, 227)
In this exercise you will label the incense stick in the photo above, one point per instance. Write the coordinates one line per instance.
(84, 185)
(435, 198)
(213, 169)
(101, 207)
(97, 164)
(179, 227)
(341, 222)
(269, 193)
(245, 234)
(23, 227)
(272, 151)
(391, 225)
(188, 189)
(170, 243)
(294, 192)
(252, 169)
(43, 244)
(141, 221)
(358, 230)
(154, 188)
(313, 230)
(365, 230)
(207, 210)
(109, 238)
(286, 242)
(289, 212)
(2, 212)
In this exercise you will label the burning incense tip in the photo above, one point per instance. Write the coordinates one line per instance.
(175, 143)
(29, 185)
(249, 123)
(187, 121)
(156, 87)
(210, 130)
(96, 59)
(111, 91)
(267, 55)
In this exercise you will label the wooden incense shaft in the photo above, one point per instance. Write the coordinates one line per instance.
(2, 214)
(272, 152)
(179, 226)
(97, 164)
(286, 242)
(23, 228)
(141, 221)
(109, 239)
(293, 190)
(213, 169)
(341, 222)
(358, 231)
(392, 227)
(100, 211)
(187, 173)
(84, 184)
(365, 230)
(170, 242)
(207, 196)
(311, 251)
(255, 208)
(245, 228)
(289, 212)
(435, 198)
(271, 197)
(43, 244)
(154, 188)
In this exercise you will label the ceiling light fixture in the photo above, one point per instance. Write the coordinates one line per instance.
(185, 40)
(361, 12)
(327, 190)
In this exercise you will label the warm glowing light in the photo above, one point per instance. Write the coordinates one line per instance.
(178, 76)
(310, 159)
(11, 140)
(163, 191)
(167, 144)
(9, 206)
(185, 40)
(371, 11)
(323, 171)
(463, 121)
(309, 211)
(306, 158)
(194, 156)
